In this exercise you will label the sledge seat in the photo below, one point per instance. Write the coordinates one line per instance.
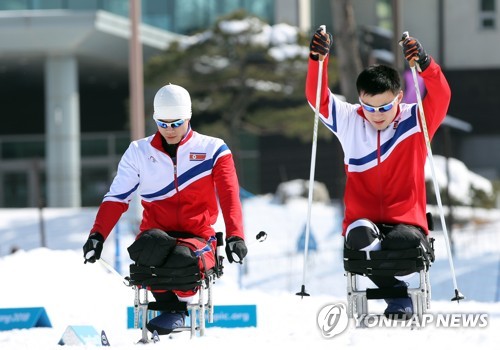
(388, 263)
(143, 279)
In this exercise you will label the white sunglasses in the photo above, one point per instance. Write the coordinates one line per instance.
(173, 125)
(381, 109)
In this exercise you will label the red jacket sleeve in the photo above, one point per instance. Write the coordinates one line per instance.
(312, 85)
(437, 98)
(107, 216)
(228, 190)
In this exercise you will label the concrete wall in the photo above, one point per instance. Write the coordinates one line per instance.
(467, 44)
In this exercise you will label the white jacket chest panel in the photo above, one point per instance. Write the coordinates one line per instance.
(360, 140)
(195, 160)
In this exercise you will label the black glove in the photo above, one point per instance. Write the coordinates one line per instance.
(413, 50)
(320, 44)
(236, 249)
(92, 249)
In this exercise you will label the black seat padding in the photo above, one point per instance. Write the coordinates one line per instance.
(385, 262)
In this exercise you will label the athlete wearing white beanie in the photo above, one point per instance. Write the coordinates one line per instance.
(172, 102)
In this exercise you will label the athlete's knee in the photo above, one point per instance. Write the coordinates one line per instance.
(363, 234)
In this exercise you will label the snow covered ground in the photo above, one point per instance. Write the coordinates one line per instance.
(74, 293)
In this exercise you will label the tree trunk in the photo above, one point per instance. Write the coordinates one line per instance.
(346, 47)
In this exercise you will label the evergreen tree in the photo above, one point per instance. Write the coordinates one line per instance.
(242, 78)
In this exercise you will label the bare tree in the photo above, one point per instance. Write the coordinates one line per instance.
(346, 46)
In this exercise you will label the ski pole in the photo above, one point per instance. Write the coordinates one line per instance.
(110, 268)
(458, 296)
(303, 292)
(104, 263)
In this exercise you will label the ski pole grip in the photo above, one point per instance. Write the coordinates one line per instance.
(220, 238)
(323, 29)
(403, 38)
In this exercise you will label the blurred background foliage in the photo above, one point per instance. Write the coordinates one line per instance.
(236, 85)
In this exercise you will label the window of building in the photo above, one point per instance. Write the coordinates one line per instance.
(48, 4)
(178, 16)
(187, 17)
(118, 7)
(15, 190)
(487, 14)
(14, 5)
(262, 9)
(82, 5)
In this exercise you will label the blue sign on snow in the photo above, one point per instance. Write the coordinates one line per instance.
(226, 316)
(27, 317)
(80, 335)
(233, 316)
(301, 242)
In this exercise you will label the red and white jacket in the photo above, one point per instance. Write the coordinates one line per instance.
(181, 197)
(385, 169)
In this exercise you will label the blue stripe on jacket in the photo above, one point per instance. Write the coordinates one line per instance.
(401, 130)
(200, 168)
(122, 196)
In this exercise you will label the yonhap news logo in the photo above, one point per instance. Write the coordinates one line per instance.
(332, 319)
(452, 320)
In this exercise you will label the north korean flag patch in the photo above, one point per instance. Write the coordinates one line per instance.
(197, 157)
